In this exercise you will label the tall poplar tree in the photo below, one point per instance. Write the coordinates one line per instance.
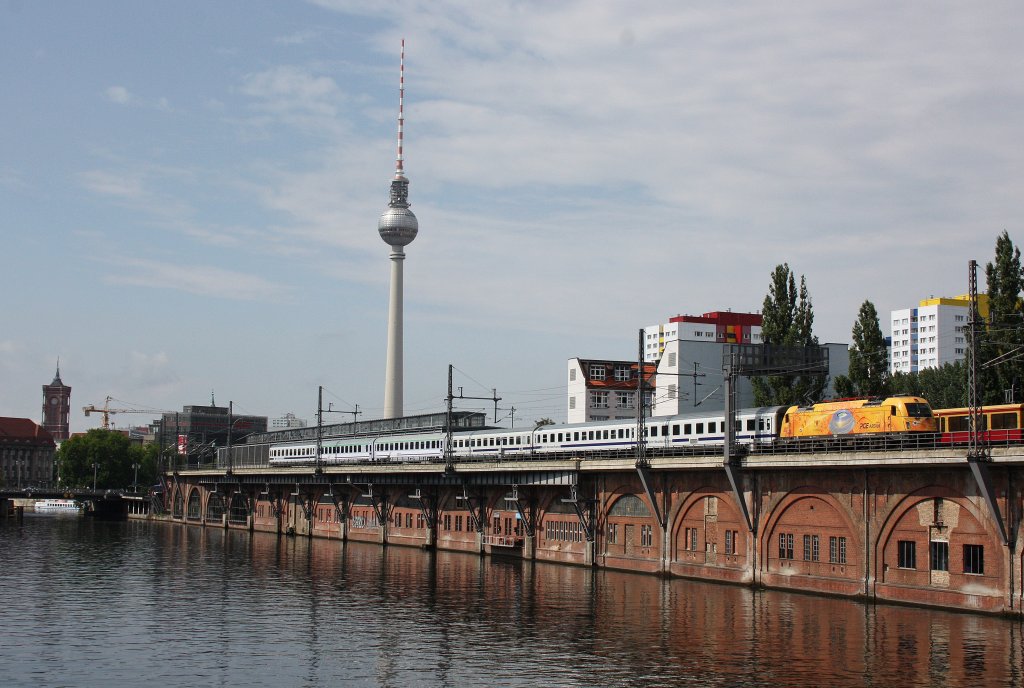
(869, 360)
(787, 320)
(1003, 338)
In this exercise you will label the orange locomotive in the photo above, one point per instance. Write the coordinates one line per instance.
(892, 416)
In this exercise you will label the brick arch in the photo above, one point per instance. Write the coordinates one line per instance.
(176, 494)
(913, 507)
(636, 538)
(618, 493)
(837, 521)
(194, 493)
(711, 542)
(210, 497)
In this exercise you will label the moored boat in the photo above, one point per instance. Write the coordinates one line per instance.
(65, 505)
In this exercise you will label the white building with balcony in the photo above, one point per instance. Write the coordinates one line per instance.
(604, 390)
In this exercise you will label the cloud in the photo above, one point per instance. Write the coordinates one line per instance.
(119, 95)
(294, 96)
(207, 281)
(298, 37)
(112, 184)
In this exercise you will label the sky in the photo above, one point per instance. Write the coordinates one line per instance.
(189, 191)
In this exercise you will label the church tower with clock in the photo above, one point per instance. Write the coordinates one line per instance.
(57, 408)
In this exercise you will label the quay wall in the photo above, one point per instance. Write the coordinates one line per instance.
(920, 532)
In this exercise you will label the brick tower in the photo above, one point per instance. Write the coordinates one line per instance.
(57, 408)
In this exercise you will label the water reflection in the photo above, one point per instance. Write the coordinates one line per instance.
(95, 603)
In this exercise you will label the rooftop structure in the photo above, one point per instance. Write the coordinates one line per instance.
(724, 327)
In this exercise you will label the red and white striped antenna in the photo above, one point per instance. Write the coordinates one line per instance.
(399, 170)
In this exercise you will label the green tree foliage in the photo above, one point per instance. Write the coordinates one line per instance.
(1005, 332)
(788, 320)
(943, 387)
(869, 360)
(114, 457)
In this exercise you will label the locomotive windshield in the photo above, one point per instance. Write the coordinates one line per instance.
(915, 410)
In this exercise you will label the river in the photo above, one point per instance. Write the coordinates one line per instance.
(97, 604)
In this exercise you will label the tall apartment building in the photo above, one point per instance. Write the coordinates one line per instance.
(932, 334)
(288, 420)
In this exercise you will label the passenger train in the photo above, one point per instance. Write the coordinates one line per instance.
(848, 422)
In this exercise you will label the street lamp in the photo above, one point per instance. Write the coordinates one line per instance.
(135, 485)
(95, 466)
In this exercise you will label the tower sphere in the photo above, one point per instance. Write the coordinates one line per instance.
(398, 226)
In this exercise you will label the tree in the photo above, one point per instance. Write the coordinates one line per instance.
(105, 454)
(147, 456)
(1004, 334)
(869, 365)
(788, 320)
(943, 387)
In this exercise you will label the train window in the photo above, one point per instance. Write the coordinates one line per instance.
(959, 424)
(590, 434)
(687, 428)
(1003, 421)
(712, 426)
(750, 424)
(700, 428)
(605, 434)
(654, 431)
(675, 430)
(915, 410)
(559, 437)
(892, 410)
(575, 437)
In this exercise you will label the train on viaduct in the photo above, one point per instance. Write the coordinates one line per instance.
(921, 525)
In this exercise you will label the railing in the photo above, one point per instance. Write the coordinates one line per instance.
(502, 541)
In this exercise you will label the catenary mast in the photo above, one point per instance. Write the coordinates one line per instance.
(398, 227)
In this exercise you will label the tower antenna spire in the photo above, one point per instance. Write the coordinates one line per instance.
(399, 169)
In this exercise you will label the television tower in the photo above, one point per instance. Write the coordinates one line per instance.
(398, 227)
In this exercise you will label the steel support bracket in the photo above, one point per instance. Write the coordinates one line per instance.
(584, 511)
(643, 469)
(733, 473)
(340, 510)
(476, 508)
(428, 506)
(527, 513)
(983, 477)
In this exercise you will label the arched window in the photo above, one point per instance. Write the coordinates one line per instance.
(630, 506)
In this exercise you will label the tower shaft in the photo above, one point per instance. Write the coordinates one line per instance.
(393, 373)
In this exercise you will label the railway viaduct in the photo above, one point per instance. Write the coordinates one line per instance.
(918, 526)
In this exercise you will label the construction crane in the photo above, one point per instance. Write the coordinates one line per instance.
(107, 411)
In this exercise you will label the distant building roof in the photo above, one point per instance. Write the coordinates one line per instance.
(721, 318)
(23, 430)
